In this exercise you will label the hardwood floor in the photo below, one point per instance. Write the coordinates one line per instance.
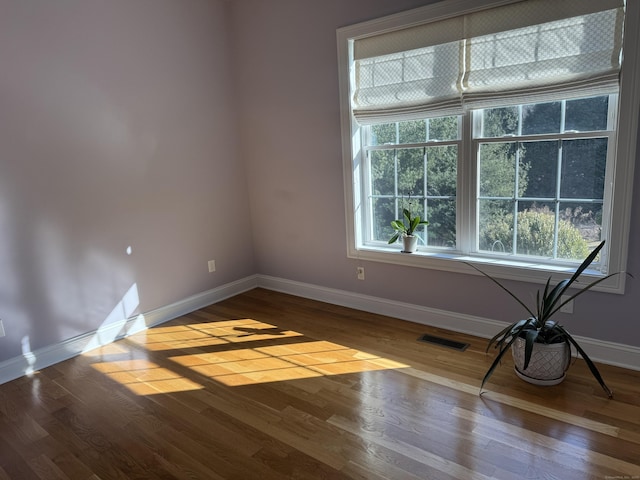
(270, 386)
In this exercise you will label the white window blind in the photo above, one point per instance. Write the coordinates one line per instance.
(532, 50)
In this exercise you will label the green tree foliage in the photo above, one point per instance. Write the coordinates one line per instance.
(414, 131)
(499, 122)
(441, 194)
(535, 235)
(498, 169)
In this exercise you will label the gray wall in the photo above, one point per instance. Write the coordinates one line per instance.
(188, 131)
(117, 130)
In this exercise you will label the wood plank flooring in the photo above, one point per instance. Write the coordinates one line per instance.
(270, 386)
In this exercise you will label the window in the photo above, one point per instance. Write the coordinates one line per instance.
(413, 164)
(507, 127)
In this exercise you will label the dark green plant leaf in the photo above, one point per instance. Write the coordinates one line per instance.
(503, 288)
(512, 332)
(583, 290)
(530, 337)
(498, 335)
(496, 361)
(551, 299)
(587, 261)
(592, 367)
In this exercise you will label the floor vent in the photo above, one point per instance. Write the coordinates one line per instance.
(444, 342)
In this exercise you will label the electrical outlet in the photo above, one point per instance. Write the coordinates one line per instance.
(568, 308)
(1, 329)
(360, 271)
(212, 265)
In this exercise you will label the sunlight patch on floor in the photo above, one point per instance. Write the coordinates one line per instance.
(227, 352)
(208, 334)
(286, 362)
(143, 377)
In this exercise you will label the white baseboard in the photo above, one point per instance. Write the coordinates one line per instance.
(599, 351)
(44, 357)
(605, 352)
(482, 327)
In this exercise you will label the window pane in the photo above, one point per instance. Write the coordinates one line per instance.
(401, 177)
(587, 114)
(441, 231)
(546, 226)
(539, 167)
(383, 215)
(497, 169)
(383, 172)
(412, 132)
(541, 118)
(383, 134)
(576, 229)
(536, 229)
(495, 227)
(584, 218)
(443, 128)
(583, 168)
(411, 171)
(442, 170)
(498, 122)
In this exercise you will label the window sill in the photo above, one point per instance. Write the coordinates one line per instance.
(505, 269)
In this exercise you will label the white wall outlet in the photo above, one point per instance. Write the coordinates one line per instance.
(568, 308)
(212, 265)
(360, 272)
(1, 329)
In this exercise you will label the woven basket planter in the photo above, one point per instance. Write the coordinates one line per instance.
(548, 363)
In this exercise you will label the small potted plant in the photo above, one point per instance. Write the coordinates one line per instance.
(540, 339)
(404, 229)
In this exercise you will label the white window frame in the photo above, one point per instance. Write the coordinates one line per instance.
(620, 187)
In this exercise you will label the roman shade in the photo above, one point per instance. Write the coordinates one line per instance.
(524, 52)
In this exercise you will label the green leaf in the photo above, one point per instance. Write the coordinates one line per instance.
(503, 288)
(394, 238)
(510, 334)
(414, 223)
(530, 337)
(587, 261)
(550, 300)
(540, 301)
(503, 333)
(496, 361)
(592, 367)
(399, 226)
(583, 290)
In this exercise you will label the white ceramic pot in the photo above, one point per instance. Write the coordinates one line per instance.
(410, 243)
(548, 363)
